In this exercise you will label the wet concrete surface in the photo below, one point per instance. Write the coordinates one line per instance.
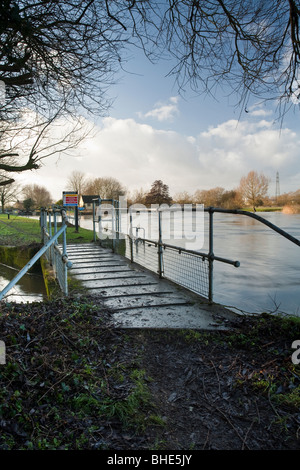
(137, 297)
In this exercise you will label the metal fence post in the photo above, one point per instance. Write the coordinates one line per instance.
(55, 221)
(130, 237)
(42, 223)
(160, 252)
(211, 255)
(65, 269)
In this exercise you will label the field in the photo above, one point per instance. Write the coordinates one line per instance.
(17, 231)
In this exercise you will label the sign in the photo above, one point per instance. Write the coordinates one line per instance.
(70, 198)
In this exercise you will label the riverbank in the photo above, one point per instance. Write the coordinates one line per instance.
(20, 239)
(20, 231)
(74, 382)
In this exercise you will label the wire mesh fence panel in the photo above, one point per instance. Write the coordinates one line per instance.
(145, 253)
(187, 269)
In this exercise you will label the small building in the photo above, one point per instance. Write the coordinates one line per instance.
(86, 202)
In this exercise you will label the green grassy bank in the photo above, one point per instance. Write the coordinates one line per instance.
(20, 239)
(17, 231)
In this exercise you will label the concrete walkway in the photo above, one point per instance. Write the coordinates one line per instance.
(139, 298)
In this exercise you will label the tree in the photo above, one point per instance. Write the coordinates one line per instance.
(254, 188)
(158, 194)
(8, 193)
(136, 197)
(39, 194)
(105, 187)
(231, 199)
(77, 182)
(251, 46)
(209, 197)
(28, 204)
(182, 198)
(57, 59)
(31, 139)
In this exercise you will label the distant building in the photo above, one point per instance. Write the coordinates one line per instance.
(87, 202)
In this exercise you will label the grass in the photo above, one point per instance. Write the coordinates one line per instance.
(65, 384)
(17, 231)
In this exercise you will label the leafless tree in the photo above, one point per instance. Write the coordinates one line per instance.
(8, 193)
(71, 50)
(105, 187)
(182, 198)
(39, 194)
(252, 46)
(25, 143)
(253, 188)
(209, 197)
(59, 58)
(77, 181)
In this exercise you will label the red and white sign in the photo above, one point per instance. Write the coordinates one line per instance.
(70, 198)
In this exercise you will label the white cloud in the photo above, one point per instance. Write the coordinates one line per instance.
(163, 111)
(137, 154)
(232, 149)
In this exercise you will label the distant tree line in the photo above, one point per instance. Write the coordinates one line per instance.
(252, 192)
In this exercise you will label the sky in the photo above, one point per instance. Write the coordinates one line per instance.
(188, 141)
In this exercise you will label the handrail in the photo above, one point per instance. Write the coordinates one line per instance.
(257, 217)
(52, 240)
(56, 256)
(33, 260)
(210, 256)
(192, 252)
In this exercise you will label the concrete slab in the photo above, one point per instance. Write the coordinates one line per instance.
(137, 297)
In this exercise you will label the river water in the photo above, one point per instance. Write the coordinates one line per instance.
(268, 278)
(30, 288)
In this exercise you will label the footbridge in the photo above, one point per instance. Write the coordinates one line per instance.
(137, 297)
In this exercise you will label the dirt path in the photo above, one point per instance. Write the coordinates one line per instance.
(204, 393)
(73, 381)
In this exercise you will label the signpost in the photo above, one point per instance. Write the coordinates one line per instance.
(70, 199)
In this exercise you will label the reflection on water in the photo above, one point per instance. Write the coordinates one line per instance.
(30, 287)
(269, 275)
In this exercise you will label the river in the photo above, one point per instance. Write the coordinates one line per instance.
(268, 278)
(30, 288)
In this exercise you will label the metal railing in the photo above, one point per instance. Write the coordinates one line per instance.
(187, 268)
(57, 257)
(190, 269)
(56, 254)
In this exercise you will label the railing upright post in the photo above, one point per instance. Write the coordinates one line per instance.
(65, 273)
(130, 237)
(55, 221)
(211, 255)
(113, 226)
(50, 235)
(160, 252)
(94, 220)
(42, 223)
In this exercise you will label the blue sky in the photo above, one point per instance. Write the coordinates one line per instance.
(190, 142)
